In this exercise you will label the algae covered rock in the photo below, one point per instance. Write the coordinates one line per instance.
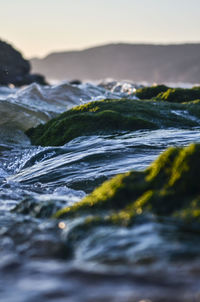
(169, 187)
(147, 93)
(113, 115)
(180, 95)
(164, 93)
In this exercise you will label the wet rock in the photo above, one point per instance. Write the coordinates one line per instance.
(38, 209)
(14, 69)
(180, 95)
(169, 187)
(113, 115)
(29, 79)
(164, 93)
(146, 93)
(75, 82)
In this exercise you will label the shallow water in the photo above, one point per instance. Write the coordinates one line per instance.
(156, 260)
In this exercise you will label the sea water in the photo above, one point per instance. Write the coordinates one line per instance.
(157, 260)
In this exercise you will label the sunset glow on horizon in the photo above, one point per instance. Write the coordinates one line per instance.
(39, 27)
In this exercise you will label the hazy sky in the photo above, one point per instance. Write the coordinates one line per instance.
(37, 27)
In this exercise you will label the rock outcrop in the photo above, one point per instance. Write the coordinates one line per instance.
(164, 93)
(14, 69)
(169, 188)
(113, 115)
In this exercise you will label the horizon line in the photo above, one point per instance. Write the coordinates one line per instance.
(107, 44)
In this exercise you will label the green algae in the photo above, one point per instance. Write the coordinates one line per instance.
(147, 93)
(164, 93)
(113, 115)
(179, 95)
(105, 198)
(169, 187)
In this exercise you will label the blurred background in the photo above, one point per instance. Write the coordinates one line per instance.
(142, 41)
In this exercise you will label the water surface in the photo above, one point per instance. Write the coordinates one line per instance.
(157, 259)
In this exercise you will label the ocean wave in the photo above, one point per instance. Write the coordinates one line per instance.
(44, 102)
(23, 108)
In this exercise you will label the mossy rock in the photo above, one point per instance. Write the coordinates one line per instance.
(112, 115)
(147, 93)
(37, 208)
(179, 95)
(169, 187)
(164, 93)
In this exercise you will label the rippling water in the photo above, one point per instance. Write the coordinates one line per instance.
(156, 260)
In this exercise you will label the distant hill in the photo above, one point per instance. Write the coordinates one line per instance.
(135, 62)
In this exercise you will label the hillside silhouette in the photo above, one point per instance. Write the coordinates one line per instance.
(135, 62)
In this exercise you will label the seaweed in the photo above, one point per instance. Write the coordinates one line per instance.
(147, 93)
(113, 115)
(169, 187)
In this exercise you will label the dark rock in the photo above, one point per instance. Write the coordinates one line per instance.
(29, 79)
(75, 82)
(14, 69)
(12, 65)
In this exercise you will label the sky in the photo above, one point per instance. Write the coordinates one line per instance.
(38, 27)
